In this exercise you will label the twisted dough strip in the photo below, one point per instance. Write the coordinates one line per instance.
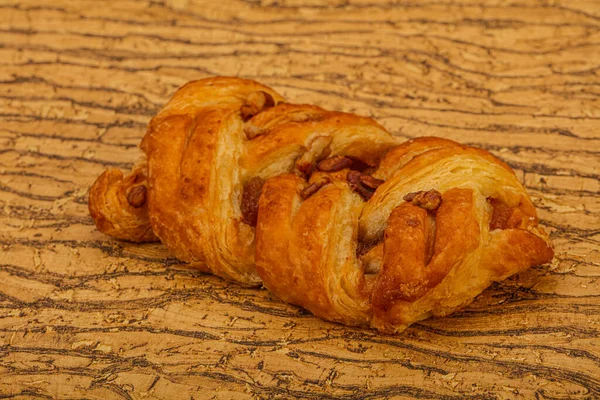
(326, 209)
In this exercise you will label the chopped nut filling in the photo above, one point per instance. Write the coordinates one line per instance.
(137, 196)
(429, 200)
(334, 163)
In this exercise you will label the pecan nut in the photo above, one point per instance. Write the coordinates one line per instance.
(429, 200)
(370, 182)
(137, 196)
(334, 163)
(355, 179)
(311, 189)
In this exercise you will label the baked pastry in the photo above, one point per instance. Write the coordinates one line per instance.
(326, 209)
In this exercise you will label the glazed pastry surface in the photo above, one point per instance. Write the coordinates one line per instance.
(326, 209)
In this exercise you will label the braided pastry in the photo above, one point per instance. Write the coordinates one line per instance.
(325, 209)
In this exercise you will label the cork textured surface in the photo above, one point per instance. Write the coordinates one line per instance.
(85, 316)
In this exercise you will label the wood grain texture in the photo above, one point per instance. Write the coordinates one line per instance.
(84, 316)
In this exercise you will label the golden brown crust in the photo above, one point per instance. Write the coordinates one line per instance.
(326, 209)
(112, 210)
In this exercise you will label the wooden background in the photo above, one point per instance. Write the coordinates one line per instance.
(84, 316)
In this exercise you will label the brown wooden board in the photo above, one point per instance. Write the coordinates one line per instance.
(84, 316)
